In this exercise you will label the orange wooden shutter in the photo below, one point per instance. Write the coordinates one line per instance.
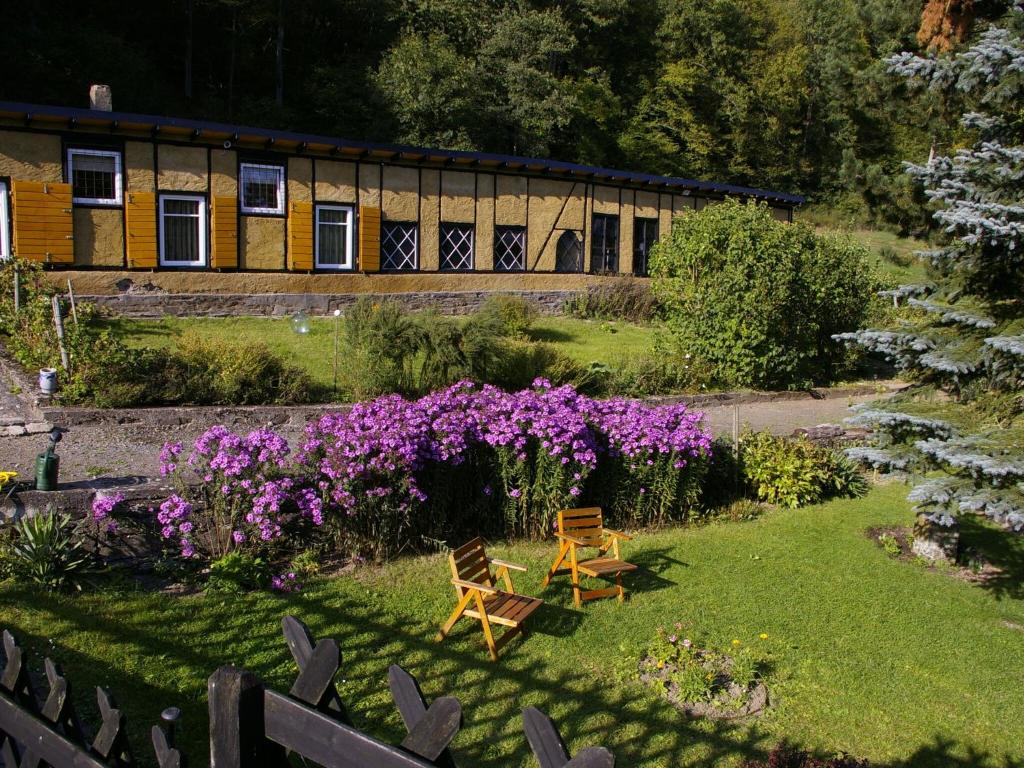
(43, 225)
(369, 239)
(140, 221)
(300, 235)
(224, 233)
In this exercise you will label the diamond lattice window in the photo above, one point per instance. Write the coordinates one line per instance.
(569, 253)
(456, 247)
(398, 245)
(509, 249)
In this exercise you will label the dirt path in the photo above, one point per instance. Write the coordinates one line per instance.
(128, 454)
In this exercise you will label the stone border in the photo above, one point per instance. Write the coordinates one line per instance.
(296, 415)
(157, 304)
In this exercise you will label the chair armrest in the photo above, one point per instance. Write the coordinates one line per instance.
(572, 539)
(506, 564)
(473, 585)
(617, 534)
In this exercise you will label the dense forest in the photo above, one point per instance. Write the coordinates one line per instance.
(787, 94)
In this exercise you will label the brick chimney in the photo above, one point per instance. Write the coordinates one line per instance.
(101, 98)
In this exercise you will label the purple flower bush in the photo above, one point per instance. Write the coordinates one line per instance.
(245, 499)
(392, 473)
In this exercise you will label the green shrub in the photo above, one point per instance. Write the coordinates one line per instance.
(514, 314)
(520, 362)
(208, 372)
(237, 572)
(619, 298)
(45, 549)
(794, 472)
(757, 300)
(382, 342)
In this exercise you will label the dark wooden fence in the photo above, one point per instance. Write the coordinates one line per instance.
(252, 726)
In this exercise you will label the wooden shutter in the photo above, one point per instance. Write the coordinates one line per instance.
(224, 233)
(43, 225)
(300, 235)
(140, 222)
(369, 239)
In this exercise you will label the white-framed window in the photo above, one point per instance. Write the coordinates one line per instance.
(5, 232)
(262, 188)
(182, 231)
(333, 236)
(95, 176)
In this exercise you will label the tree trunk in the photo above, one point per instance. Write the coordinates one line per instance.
(188, 51)
(231, 63)
(279, 94)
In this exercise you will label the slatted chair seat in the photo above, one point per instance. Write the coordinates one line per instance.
(584, 529)
(508, 609)
(475, 586)
(604, 566)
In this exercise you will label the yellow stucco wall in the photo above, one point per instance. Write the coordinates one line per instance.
(458, 189)
(681, 204)
(665, 216)
(99, 237)
(553, 206)
(300, 179)
(138, 163)
(369, 184)
(261, 239)
(606, 199)
(30, 156)
(626, 233)
(181, 168)
(224, 173)
(484, 256)
(430, 213)
(400, 189)
(510, 204)
(646, 204)
(336, 181)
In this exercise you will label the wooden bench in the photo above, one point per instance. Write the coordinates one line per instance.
(584, 528)
(479, 598)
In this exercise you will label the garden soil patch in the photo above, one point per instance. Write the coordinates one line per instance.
(981, 575)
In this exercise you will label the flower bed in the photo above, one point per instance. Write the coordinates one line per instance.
(394, 474)
(704, 682)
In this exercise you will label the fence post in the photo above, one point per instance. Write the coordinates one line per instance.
(236, 721)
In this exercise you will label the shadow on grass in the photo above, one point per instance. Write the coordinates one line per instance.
(172, 647)
(550, 335)
(1001, 550)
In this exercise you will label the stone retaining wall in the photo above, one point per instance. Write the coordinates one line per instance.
(158, 304)
(299, 415)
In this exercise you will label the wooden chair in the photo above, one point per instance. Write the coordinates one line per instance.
(475, 586)
(584, 528)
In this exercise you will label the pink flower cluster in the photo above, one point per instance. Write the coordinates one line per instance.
(103, 507)
(538, 445)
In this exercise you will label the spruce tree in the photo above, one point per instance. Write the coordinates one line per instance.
(963, 334)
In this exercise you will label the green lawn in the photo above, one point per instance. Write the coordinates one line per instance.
(881, 658)
(584, 340)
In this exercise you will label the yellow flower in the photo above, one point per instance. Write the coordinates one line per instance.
(763, 635)
(737, 643)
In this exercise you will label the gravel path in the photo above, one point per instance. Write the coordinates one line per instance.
(127, 454)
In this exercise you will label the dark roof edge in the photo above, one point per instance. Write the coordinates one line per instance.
(73, 113)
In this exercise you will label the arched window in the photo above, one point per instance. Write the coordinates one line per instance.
(568, 253)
